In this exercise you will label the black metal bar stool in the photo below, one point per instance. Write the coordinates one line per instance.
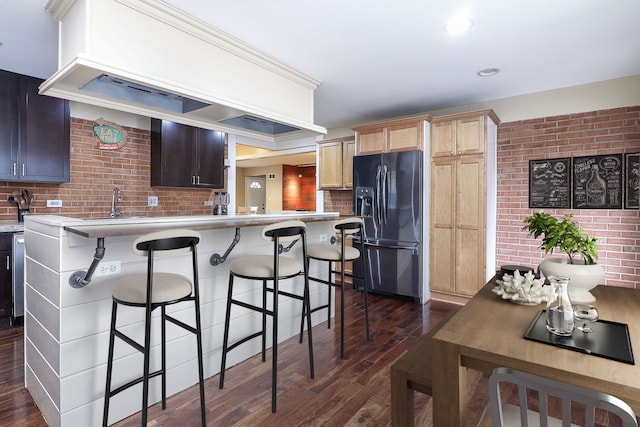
(152, 290)
(274, 267)
(334, 254)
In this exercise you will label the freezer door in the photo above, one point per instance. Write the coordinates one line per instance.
(391, 270)
(401, 198)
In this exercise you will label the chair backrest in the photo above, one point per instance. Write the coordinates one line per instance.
(349, 225)
(166, 242)
(284, 232)
(546, 387)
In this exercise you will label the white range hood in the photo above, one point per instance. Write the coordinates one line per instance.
(149, 58)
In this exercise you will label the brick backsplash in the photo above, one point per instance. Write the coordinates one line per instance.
(338, 201)
(94, 174)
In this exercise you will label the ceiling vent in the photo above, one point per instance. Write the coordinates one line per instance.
(258, 124)
(129, 91)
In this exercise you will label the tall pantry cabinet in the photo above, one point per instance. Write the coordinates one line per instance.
(463, 203)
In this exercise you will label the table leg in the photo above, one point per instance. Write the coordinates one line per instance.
(449, 385)
(401, 399)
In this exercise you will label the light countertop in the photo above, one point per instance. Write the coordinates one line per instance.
(11, 226)
(127, 226)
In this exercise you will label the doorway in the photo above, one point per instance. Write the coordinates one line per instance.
(255, 192)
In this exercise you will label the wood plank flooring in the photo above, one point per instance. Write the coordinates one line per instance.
(349, 392)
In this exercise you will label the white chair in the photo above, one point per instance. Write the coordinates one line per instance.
(546, 387)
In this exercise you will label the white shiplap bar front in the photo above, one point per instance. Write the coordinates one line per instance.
(66, 329)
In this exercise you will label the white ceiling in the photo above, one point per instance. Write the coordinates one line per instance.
(387, 58)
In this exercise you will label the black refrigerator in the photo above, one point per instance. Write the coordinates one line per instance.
(388, 192)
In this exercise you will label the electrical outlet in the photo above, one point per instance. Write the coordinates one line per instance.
(54, 203)
(108, 268)
(323, 237)
(208, 202)
(153, 200)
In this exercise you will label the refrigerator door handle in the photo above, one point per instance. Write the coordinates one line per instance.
(377, 213)
(384, 193)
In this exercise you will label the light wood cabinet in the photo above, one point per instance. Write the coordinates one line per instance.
(458, 225)
(461, 203)
(335, 163)
(393, 135)
(459, 135)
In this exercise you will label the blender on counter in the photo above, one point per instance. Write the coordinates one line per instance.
(221, 200)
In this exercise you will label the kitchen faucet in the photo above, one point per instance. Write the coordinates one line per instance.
(115, 196)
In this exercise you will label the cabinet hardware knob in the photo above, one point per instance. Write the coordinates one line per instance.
(459, 152)
(23, 169)
(14, 169)
(193, 180)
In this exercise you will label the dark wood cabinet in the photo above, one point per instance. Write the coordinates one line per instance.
(186, 156)
(34, 141)
(6, 300)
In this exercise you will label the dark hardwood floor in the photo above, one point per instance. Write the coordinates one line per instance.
(353, 391)
(349, 392)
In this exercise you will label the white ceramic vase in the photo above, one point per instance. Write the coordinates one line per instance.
(583, 277)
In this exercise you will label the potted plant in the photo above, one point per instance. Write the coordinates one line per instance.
(582, 252)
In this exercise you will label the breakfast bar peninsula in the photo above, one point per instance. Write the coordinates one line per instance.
(70, 265)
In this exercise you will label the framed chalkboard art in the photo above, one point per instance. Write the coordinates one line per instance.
(632, 181)
(597, 182)
(550, 183)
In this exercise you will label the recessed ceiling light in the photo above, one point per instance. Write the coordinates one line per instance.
(458, 25)
(488, 72)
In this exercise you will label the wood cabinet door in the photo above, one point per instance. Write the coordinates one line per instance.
(443, 184)
(348, 151)
(44, 135)
(470, 135)
(330, 167)
(443, 137)
(8, 126)
(404, 137)
(171, 154)
(470, 225)
(371, 142)
(209, 153)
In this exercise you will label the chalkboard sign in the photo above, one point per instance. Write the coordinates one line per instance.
(597, 182)
(632, 181)
(549, 183)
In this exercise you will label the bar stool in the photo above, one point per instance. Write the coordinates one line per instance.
(341, 253)
(274, 267)
(152, 290)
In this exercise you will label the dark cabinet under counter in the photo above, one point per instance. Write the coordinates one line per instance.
(186, 156)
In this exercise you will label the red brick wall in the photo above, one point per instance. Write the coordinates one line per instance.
(94, 174)
(597, 132)
(298, 192)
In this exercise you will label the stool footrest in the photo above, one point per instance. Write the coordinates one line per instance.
(243, 340)
(132, 383)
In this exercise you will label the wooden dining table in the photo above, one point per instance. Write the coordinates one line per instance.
(488, 333)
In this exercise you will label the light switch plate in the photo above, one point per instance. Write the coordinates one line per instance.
(153, 200)
(54, 203)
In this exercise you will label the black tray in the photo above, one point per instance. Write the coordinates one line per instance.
(608, 339)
